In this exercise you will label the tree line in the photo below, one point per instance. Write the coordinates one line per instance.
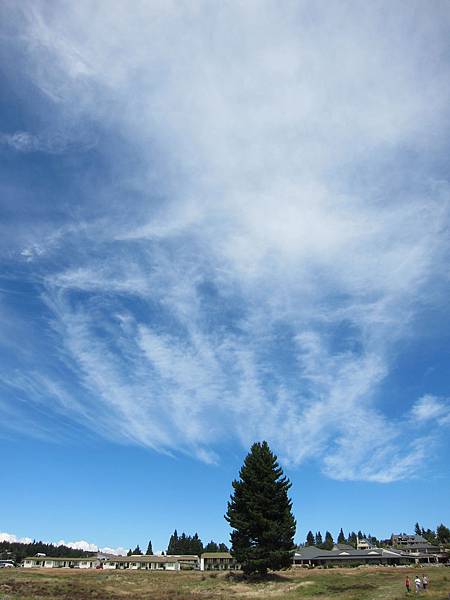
(440, 536)
(183, 544)
(186, 544)
(17, 551)
(328, 542)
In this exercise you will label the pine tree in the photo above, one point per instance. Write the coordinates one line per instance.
(352, 539)
(149, 549)
(310, 539)
(329, 542)
(130, 552)
(341, 537)
(318, 540)
(223, 547)
(418, 529)
(137, 551)
(260, 514)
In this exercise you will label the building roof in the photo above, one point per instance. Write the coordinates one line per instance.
(313, 553)
(412, 538)
(81, 558)
(216, 555)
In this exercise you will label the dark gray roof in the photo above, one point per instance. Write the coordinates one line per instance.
(309, 552)
(412, 538)
(426, 546)
(313, 553)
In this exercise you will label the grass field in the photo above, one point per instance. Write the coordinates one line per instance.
(332, 584)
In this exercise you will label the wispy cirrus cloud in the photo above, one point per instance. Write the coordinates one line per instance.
(278, 226)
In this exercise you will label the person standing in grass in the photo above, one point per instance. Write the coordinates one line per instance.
(408, 584)
(425, 582)
(418, 583)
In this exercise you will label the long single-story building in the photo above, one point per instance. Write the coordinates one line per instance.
(145, 562)
(311, 556)
(153, 562)
(49, 562)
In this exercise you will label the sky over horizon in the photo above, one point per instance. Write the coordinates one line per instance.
(224, 223)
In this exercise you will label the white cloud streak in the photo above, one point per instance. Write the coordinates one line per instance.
(79, 545)
(49, 143)
(294, 246)
(431, 408)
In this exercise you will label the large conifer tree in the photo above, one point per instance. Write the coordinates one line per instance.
(310, 539)
(260, 514)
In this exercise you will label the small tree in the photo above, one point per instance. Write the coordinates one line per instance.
(260, 514)
(149, 549)
(310, 539)
(137, 551)
(418, 529)
(318, 539)
(130, 552)
(341, 537)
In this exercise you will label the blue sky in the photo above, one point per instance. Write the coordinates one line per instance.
(223, 224)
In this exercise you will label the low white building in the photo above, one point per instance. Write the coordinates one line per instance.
(49, 562)
(144, 562)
